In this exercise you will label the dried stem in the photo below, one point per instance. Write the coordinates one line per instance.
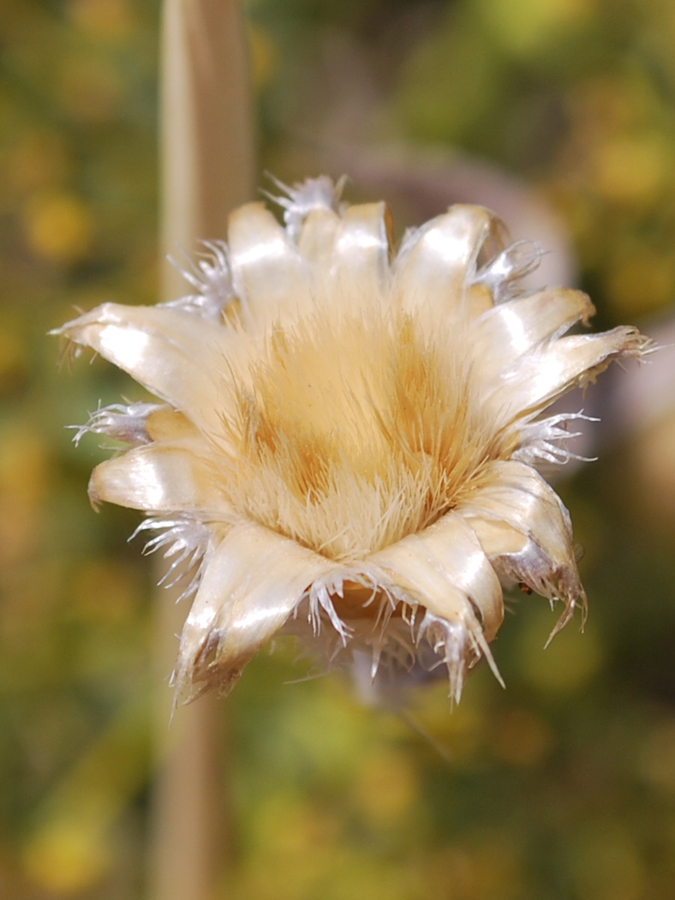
(207, 170)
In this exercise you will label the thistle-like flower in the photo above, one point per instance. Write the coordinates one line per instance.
(348, 439)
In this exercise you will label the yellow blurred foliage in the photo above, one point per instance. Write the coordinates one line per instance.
(24, 479)
(523, 26)
(58, 226)
(485, 868)
(631, 170)
(657, 757)
(91, 89)
(522, 738)
(460, 730)
(105, 590)
(295, 829)
(109, 20)
(570, 662)
(641, 280)
(609, 104)
(37, 160)
(264, 61)
(69, 848)
(13, 358)
(653, 460)
(67, 857)
(606, 864)
(386, 786)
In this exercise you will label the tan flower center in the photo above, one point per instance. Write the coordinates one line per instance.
(358, 431)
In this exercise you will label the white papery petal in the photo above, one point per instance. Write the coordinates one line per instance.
(438, 262)
(269, 274)
(167, 425)
(317, 239)
(540, 553)
(543, 375)
(176, 355)
(360, 259)
(444, 568)
(251, 583)
(506, 332)
(156, 478)
(139, 423)
(503, 274)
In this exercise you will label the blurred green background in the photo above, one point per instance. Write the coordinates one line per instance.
(561, 787)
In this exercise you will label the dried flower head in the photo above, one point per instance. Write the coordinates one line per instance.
(348, 439)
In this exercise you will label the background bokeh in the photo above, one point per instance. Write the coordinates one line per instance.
(561, 787)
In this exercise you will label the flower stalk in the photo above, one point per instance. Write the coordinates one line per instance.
(208, 160)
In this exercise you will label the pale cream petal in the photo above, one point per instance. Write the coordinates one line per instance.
(497, 538)
(174, 354)
(508, 331)
(538, 378)
(317, 238)
(526, 532)
(360, 260)
(445, 569)
(157, 478)
(478, 299)
(444, 566)
(252, 582)
(169, 426)
(269, 274)
(438, 262)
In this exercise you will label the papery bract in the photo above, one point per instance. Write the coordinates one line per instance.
(347, 438)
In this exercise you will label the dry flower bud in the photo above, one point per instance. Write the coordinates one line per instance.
(348, 438)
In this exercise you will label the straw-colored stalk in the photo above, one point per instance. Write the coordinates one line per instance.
(207, 158)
